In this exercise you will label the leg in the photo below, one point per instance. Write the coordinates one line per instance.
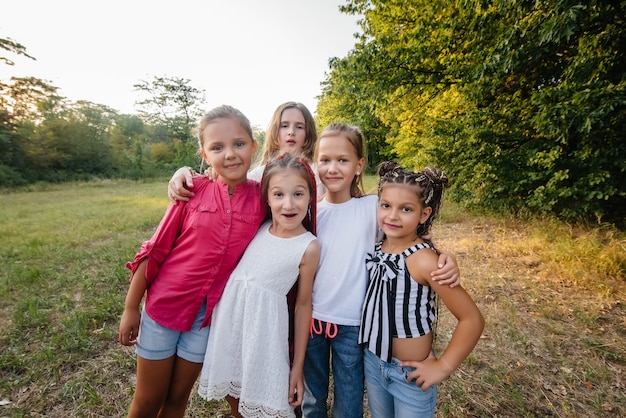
(183, 378)
(234, 406)
(409, 399)
(316, 377)
(348, 376)
(190, 351)
(153, 379)
(379, 400)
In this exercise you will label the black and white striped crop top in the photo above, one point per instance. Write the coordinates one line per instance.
(395, 306)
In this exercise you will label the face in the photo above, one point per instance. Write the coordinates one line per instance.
(228, 148)
(288, 199)
(337, 164)
(400, 211)
(292, 131)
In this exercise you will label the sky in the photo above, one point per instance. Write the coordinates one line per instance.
(251, 54)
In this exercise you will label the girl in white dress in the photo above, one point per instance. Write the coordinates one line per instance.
(247, 358)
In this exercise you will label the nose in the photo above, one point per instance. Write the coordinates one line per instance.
(230, 153)
(288, 203)
(393, 214)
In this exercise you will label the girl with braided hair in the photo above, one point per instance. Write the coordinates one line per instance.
(247, 357)
(400, 310)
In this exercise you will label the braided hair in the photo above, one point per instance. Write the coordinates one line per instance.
(430, 183)
(284, 162)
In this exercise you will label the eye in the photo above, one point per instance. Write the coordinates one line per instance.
(407, 210)
(299, 194)
(323, 160)
(240, 144)
(278, 194)
(216, 148)
(384, 205)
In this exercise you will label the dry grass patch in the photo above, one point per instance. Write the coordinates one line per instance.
(553, 344)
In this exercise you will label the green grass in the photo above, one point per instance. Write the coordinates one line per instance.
(552, 295)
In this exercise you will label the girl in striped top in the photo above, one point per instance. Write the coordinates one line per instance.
(399, 311)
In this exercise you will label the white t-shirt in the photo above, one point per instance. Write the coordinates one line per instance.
(256, 173)
(346, 232)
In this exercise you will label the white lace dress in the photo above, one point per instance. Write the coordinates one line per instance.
(248, 352)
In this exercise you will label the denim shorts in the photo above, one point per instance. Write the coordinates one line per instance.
(390, 395)
(156, 342)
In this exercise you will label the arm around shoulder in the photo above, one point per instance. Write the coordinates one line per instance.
(179, 185)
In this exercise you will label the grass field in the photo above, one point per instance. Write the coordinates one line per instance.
(553, 296)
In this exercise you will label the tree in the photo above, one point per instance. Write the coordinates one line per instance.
(10, 45)
(522, 103)
(174, 104)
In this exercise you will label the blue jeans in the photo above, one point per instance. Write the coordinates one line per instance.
(348, 376)
(390, 395)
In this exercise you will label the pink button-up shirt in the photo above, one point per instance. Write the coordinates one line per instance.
(195, 248)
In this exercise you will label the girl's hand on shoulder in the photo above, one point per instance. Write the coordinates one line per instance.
(129, 326)
(210, 173)
(448, 272)
(427, 373)
(179, 185)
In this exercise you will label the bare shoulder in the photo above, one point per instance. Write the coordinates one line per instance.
(421, 263)
(313, 250)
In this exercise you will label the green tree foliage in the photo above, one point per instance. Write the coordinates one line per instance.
(173, 103)
(13, 47)
(24, 102)
(45, 137)
(345, 100)
(522, 103)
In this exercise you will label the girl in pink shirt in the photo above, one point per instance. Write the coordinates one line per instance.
(184, 267)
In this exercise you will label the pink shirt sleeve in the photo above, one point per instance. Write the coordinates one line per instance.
(157, 248)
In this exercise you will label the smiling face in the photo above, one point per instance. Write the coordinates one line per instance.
(288, 197)
(400, 211)
(292, 131)
(228, 148)
(337, 166)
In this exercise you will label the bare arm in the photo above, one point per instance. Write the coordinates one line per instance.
(466, 334)
(129, 324)
(304, 309)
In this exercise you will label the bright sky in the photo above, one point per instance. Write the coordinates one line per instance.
(251, 54)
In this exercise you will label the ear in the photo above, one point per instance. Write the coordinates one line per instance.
(360, 164)
(425, 214)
